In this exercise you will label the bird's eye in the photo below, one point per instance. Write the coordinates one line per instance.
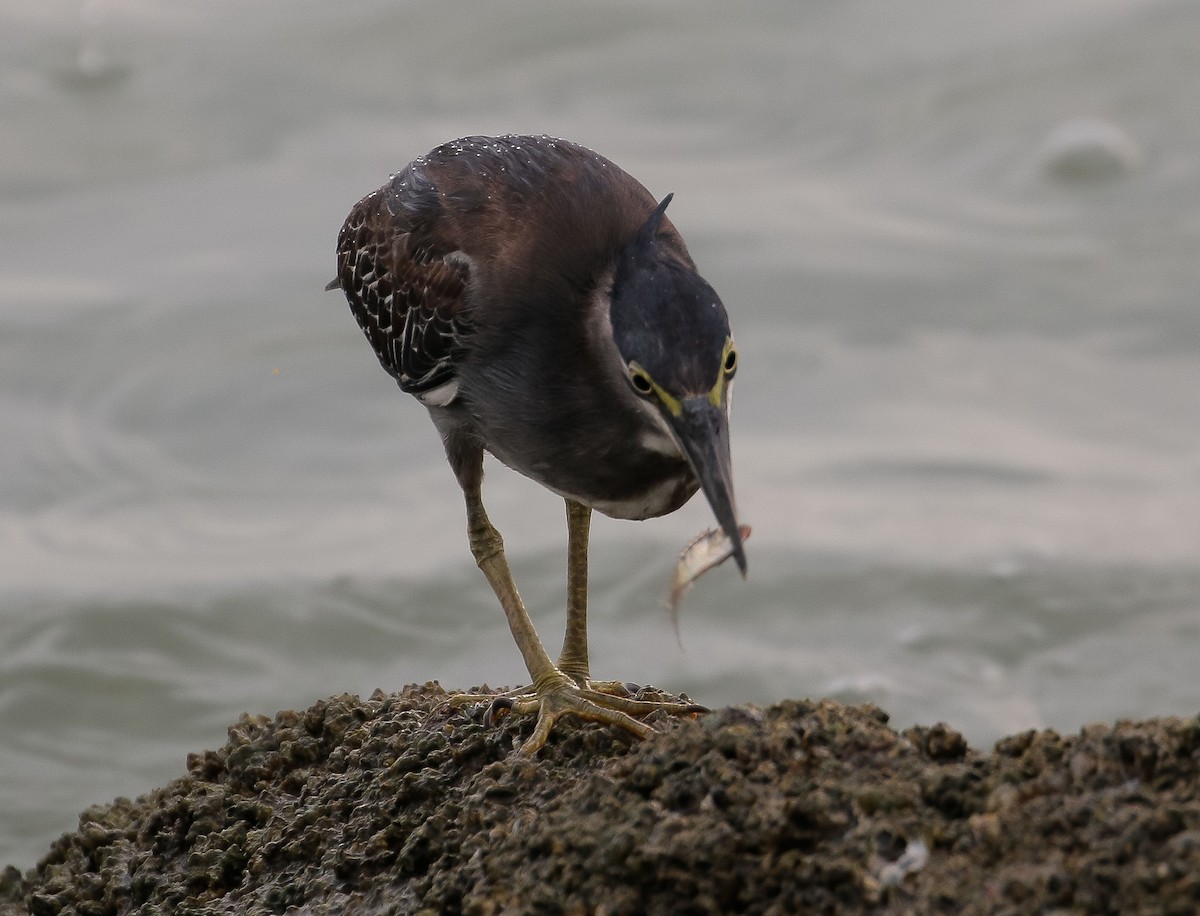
(730, 365)
(640, 381)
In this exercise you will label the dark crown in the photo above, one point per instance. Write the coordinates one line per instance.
(664, 315)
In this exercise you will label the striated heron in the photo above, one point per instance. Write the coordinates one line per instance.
(536, 299)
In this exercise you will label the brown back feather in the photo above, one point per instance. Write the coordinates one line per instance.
(530, 218)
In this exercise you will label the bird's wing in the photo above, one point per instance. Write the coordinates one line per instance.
(406, 288)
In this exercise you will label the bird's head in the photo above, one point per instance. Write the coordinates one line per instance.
(679, 359)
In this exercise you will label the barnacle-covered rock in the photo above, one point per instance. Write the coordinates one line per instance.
(403, 803)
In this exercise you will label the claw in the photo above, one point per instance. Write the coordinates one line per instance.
(497, 710)
(585, 704)
(610, 702)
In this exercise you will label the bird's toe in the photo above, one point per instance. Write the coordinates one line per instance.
(584, 704)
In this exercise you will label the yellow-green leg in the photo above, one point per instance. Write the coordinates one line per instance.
(557, 690)
(573, 660)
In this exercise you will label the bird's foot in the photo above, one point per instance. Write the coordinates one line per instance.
(626, 689)
(608, 702)
(485, 695)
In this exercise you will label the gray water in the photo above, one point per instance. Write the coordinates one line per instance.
(967, 425)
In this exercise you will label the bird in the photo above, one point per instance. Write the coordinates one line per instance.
(536, 299)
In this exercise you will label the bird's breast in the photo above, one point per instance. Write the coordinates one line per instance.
(660, 498)
(634, 472)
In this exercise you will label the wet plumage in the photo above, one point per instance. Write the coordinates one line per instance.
(537, 300)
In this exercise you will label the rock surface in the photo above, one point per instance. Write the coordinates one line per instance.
(401, 804)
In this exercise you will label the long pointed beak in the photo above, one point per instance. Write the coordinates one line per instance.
(703, 431)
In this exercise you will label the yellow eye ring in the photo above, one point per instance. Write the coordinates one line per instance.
(729, 367)
(640, 381)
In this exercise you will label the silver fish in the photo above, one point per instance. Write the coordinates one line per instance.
(706, 551)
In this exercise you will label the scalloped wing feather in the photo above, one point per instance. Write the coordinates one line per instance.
(406, 291)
